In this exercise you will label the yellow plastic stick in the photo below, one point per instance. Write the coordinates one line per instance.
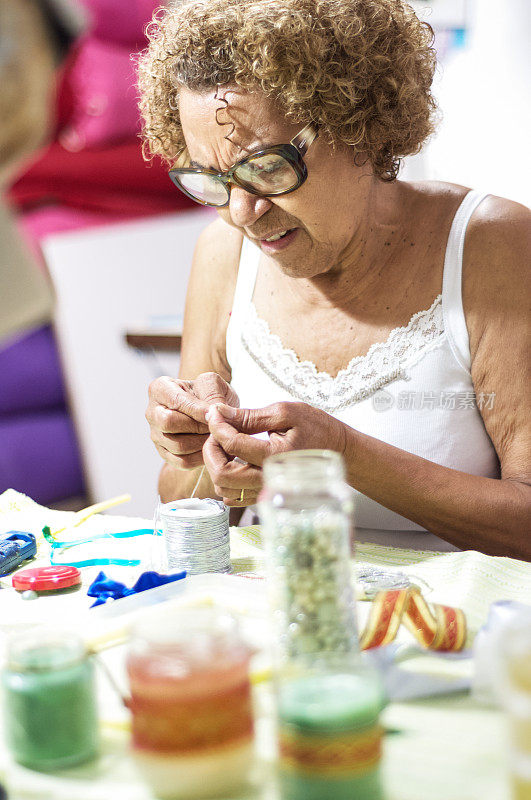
(84, 514)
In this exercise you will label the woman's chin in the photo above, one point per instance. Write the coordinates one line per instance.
(300, 265)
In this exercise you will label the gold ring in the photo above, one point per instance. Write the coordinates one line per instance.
(241, 495)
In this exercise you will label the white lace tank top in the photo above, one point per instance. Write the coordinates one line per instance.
(413, 391)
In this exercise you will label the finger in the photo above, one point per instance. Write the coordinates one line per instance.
(214, 456)
(163, 390)
(226, 493)
(175, 395)
(232, 480)
(236, 444)
(228, 476)
(248, 500)
(212, 388)
(166, 420)
(233, 497)
(180, 444)
(275, 417)
(193, 460)
(181, 462)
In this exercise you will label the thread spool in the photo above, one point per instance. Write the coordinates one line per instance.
(196, 535)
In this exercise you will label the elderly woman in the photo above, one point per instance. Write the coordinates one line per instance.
(332, 305)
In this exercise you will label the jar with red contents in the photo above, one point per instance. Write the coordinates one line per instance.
(191, 705)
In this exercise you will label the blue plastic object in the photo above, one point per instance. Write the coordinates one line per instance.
(59, 547)
(102, 588)
(15, 548)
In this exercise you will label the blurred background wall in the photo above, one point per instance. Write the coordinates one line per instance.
(111, 226)
(89, 174)
(483, 86)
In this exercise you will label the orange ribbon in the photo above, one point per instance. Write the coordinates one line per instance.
(437, 627)
(339, 756)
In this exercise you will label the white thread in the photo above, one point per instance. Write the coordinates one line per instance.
(374, 579)
(198, 481)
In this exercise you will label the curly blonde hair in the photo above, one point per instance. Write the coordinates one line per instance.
(360, 70)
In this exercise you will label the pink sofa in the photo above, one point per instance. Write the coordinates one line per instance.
(91, 174)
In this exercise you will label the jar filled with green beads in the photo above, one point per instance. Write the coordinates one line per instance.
(306, 510)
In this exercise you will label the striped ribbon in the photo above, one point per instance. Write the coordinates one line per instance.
(340, 755)
(434, 626)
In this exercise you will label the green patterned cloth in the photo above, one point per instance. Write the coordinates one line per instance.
(446, 748)
(468, 580)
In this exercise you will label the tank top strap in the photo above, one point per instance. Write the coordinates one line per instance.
(243, 294)
(247, 272)
(452, 297)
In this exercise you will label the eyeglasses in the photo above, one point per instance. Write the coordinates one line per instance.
(273, 171)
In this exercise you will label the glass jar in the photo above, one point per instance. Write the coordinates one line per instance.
(514, 689)
(191, 704)
(306, 511)
(329, 735)
(50, 702)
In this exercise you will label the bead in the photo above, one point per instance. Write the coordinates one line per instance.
(313, 566)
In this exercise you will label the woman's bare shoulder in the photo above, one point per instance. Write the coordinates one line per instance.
(497, 249)
(209, 299)
(497, 307)
(496, 253)
(219, 246)
(492, 210)
(497, 234)
(499, 216)
(437, 195)
(496, 272)
(215, 265)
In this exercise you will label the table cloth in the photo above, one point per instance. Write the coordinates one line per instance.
(443, 748)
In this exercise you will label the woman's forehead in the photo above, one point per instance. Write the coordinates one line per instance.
(243, 120)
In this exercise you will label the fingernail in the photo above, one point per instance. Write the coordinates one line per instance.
(228, 412)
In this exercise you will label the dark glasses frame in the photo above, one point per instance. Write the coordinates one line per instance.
(293, 153)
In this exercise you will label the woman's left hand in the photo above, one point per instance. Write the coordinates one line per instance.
(291, 426)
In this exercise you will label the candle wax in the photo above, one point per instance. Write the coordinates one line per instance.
(329, 737)
(50, 714)
(192, 719)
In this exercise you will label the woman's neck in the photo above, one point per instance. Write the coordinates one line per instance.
(368, 256)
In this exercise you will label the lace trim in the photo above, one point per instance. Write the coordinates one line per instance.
(384, 362)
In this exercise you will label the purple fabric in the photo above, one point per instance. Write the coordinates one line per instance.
(30, 374)
(39, 456)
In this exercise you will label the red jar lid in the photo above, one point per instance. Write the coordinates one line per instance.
(46, 579)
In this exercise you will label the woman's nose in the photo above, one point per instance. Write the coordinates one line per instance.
(245, 208)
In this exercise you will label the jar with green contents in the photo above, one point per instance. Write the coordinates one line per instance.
(306, 514)
(50, 714)
(329, 734)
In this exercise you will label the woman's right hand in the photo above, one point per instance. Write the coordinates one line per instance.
(176, 415)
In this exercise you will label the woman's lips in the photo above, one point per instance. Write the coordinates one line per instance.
(279, 244)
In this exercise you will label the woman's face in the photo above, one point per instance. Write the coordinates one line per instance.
(321, 216)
